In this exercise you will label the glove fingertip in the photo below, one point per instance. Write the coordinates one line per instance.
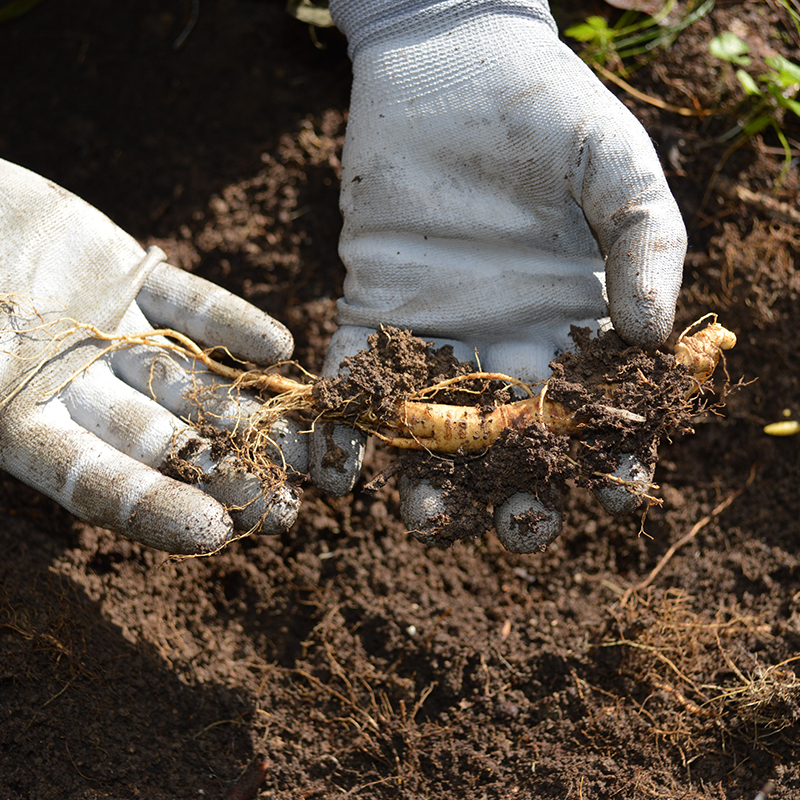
(526, 525)
(180, 520)
(628, 487)
(421, 505)
(271, 514)
(643, 326)
(336, 453)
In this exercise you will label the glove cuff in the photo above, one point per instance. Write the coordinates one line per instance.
(373, 21)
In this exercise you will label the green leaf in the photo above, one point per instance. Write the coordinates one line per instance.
(16, 8)
(787, 73)
(786, 102)
(593, 28)
(750, 86)
(314, 12)
(581, 32)
(729, 47)
(792, 105)
(757, 125)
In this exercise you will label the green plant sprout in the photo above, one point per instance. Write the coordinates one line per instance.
(795, 16)
(773, 91)
(634, 33)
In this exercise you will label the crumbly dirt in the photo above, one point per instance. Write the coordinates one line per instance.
(654, 663)
(622, 400)
(395, 365)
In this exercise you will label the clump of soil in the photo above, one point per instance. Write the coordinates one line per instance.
(622, 399)
(649, 399)
(395, 365)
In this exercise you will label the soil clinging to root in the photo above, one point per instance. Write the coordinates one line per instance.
(624, 401)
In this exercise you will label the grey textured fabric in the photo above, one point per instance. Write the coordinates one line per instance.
(87, 427)
(373, 21)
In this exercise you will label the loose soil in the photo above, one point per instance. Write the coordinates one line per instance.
(621, 662)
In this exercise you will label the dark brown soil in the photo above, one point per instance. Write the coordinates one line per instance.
(619, 663)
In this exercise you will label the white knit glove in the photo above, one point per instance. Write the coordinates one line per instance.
(92, 438)
(494, 193)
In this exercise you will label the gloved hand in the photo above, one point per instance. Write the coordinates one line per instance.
(90, 429)
(494, 193)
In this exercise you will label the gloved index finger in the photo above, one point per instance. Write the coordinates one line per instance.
(630, 208)
(207, 313)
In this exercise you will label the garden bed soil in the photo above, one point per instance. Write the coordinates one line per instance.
(629, 659)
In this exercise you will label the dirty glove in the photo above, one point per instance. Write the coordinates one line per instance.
(89, 429)
(494, 194)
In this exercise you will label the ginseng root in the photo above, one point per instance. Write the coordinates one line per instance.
(414, 423)
(447, 429)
